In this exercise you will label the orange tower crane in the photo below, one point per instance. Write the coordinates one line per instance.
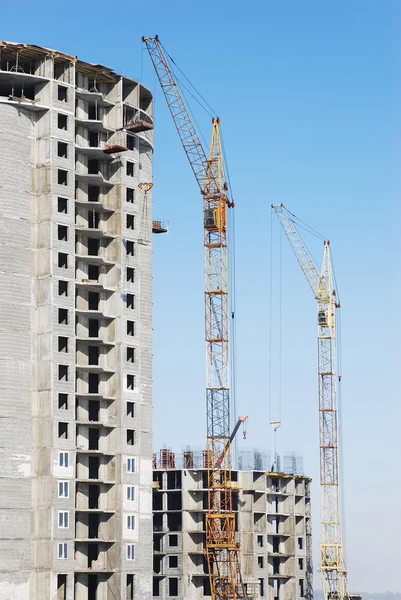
(221, 550)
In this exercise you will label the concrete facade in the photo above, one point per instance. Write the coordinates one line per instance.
(273, 519)
(76, 140)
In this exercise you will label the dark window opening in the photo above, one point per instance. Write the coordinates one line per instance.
(259, 541)
(130, 142)
(173, 540)
(63, 401)
(93, 139)
(276, 566)
(62, 177)
(63, 288)
(63, 373)
(174, 521)
(130, 382)
(94, 490)
(93, 167)
(130, 195)
(130, 221)
(62, 121)
(93, 383)
(131, 409)
(93, 410)
(130, 437)
(262, 587)
(94, 474)
(63, 260)
(156, 587)
(276, 544)
(174, 501)
(300, 543)
(93, 272)
(173, 562)
(93, 193)
(93, 247)
(130, 169)
(130, 586)
(62, 205)
(93, 439)
(62, 344)
(174, 480)
(173, 586)
(63, 316)
(63, 431)
(130, 301)
(130, 248)
(260, 562)
(92, 112)
(62, 233)
(61, 587)
(93, 355)
(93, 328)
(301, 564)
(93, 219)
(93, 301)
(93, 554)
(130, 274)
(130, 354)
(130, 327)
(301, 588)
(62, 93)
(62, 149)
(93, 526)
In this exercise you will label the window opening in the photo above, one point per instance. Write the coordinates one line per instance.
(62, 177)
(62, 205)
(130, 248)
(62, 93)
(130, 327)
(93, 328)
(62, 121)
(130, 437)
(130, 301)
(63, 316)
(130, 221)
(130, 274)
(93, 355)
(130, 382)
(63, 260)
(62, 149)
(63, 431)
(130, 168)
(130, 195)
(62, 550)
(63, 401)
(62, 344)
(130, 354)
(63, 373)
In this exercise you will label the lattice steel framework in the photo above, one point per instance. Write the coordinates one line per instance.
(332, 567)
(221, 550)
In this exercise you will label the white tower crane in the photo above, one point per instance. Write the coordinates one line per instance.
(332, 566)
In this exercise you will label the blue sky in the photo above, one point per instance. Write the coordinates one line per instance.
(310, 99)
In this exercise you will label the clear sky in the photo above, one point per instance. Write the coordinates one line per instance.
(309, 93)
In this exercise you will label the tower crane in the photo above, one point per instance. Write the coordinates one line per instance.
(221, 548)
(332, 566)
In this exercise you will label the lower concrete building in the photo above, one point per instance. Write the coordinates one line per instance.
(273, 521)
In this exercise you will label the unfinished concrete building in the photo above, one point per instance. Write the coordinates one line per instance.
(76, 145)
(273, 520)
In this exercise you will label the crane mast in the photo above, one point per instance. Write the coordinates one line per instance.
(332, 566)
(221, 549)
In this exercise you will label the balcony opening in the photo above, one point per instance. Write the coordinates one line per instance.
(93, 583)
(93, 167)
(174, 501)
(93, 526)
(93, 247)
(93, 272)
(130, 584)
(93, 112)
(173, 586)
(93, 139)
(158, 522)
(130, 143)
(276, 544)
(174, 522)
(93, 553)
(93, 219)
(93, 193)
(93, 355)
(156, 587)
(94, 471)
(276, 566)
(93, 491)
(93, 301)
(93, 328)
(174, 480)
(93, 438)
(93, 410)
(93, 383)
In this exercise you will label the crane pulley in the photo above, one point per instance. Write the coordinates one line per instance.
(332, 566)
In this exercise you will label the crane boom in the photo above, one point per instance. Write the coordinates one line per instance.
(332, 567)
(221, 549)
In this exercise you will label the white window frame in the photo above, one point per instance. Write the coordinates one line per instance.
(131, 493)
(131, 465)
(63, 459)
(130, 551)
(131, 522)
(62, 552)
(63, 519)
(64, 488)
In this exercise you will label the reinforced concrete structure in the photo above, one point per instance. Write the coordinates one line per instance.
(76, 146)
(273, 523)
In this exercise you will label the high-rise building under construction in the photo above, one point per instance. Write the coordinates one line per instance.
(76, 146)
